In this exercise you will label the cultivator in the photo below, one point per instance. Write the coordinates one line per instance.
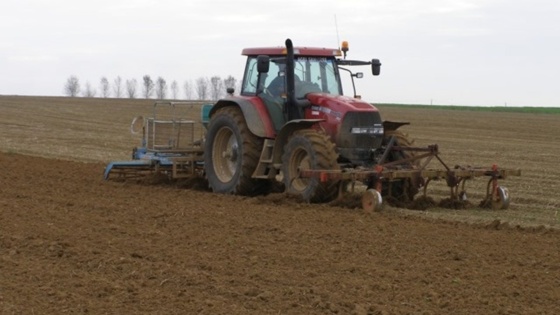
(413, 172)
(170, 144)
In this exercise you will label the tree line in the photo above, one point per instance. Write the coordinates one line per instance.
(203, 88)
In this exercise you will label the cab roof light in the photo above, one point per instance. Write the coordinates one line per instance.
(344, 48)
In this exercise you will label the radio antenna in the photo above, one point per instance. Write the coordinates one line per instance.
(336, 26)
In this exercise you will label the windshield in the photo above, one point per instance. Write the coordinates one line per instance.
(312, 74)
(317, 74)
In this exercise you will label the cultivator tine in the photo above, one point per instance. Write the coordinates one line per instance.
(463, 194)
(457, 195)
(454, 182)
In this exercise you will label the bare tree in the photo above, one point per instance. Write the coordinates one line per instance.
(89, 91)
(216, 87)
(202, 88)
(187, 87)
(148, 86)
(131, 88)
(174, 89)
(104, 87)
(117, 87)
(72, 86)
(230, 82)
(161, 88)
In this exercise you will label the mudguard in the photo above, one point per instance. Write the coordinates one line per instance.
(393, 125)
(256, 115)
(287, 130)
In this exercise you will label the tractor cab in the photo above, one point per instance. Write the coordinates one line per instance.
(270, 72)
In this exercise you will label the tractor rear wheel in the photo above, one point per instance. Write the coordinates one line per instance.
(309, 149)
(231, 154)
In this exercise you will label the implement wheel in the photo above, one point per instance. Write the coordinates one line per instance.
(372, 201)
(309, 149)
(501, 199)
(231, 154)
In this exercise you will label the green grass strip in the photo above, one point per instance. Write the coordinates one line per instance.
(532, 110)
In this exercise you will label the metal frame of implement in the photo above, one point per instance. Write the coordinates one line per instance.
(496, 196)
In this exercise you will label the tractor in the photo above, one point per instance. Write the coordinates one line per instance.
(291, 115)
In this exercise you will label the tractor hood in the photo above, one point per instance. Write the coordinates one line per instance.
(354, 126)
(339, 103)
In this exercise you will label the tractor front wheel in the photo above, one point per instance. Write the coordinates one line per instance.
(309, 149)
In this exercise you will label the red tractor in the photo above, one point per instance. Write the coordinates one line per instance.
(291, 116)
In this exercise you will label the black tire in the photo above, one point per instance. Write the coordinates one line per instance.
(402, 190)
(231, 154)
(314, 150)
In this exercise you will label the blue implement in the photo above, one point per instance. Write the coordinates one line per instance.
(135, 164)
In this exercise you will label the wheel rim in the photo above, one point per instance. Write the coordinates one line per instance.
(225, 153)
(371, 201)
(501, 200)
(299, 161)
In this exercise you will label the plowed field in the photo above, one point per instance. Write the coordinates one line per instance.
(73, 243)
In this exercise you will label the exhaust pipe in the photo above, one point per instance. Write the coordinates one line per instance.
(294, 106)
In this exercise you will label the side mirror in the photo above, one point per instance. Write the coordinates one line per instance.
(358, 75)
(375, 66)
(263, 63)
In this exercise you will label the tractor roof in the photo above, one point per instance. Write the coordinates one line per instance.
(298, 51)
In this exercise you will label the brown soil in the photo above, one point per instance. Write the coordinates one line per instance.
(73, 243)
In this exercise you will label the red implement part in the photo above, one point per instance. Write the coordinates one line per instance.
(497, 197)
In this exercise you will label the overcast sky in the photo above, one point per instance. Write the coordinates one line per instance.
(459, 52)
